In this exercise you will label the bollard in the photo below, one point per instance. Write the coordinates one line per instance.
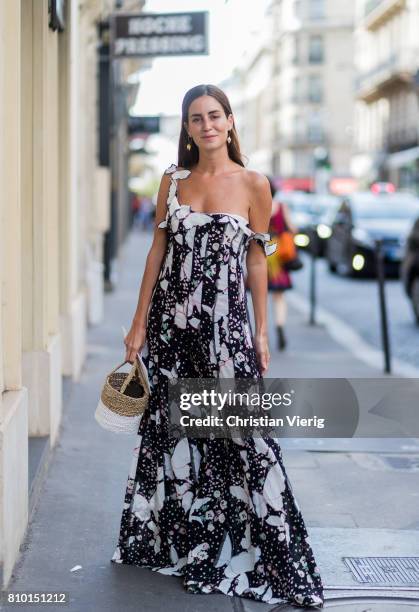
(313, 297)
(383, 308)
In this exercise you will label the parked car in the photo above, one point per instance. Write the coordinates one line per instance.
(306, 210)
(320, 229)
(410, 268)
(360, 220)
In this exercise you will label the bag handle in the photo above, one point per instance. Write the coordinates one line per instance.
(134, 370)
(137, 368)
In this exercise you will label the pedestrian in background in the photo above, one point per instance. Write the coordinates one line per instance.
(135, 207)
(279, 278)
(145, 214)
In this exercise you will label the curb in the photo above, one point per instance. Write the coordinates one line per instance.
(347, 337)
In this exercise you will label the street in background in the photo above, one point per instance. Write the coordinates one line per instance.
(361, 219)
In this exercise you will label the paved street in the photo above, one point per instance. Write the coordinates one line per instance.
(355, 301)
(347, 498)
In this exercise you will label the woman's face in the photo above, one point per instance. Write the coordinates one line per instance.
(207, 124)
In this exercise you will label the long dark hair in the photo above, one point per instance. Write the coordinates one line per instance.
(187, 159)
(271, 185)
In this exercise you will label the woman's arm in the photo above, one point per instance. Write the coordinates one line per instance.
(257, 273)
(135, 339)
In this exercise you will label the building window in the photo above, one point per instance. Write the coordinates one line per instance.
(296, 50)
(297, 9)
(315, 88)
(316, 9)
(315, 130)
(315, 49)
(296, 92)
(298, 129)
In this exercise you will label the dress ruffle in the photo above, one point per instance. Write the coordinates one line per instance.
(262, 239)
(181, 211)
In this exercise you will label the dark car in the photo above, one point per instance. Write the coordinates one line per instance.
(319, 230)
(306, 210)
(363, 218)
(410, 268)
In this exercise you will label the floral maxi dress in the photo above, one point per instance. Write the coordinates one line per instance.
(218, 512)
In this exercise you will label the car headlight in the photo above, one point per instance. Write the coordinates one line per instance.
(301, 240)
(358, 262)
(324, 231)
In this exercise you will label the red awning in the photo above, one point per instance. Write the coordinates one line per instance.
(297, 184)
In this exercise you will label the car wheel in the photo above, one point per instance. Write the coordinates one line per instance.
(332, 267)
(415, 297)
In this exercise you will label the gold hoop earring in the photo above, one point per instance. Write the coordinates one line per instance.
(189, 146)
(229, 138)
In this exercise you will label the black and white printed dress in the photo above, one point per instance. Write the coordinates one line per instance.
(218, 512)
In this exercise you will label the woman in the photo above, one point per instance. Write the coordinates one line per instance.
(217, 512)
(279, 279)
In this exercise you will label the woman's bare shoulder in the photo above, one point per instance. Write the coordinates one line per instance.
(256, 181)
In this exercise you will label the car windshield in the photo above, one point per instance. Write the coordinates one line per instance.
(326, 202)
(297, 202)
(385, 206)
(306, 207)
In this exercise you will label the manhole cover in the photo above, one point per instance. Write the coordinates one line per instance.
(410, 464)
(371, 604)
(394, 571)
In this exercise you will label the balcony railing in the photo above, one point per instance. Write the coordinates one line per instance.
(400, 65)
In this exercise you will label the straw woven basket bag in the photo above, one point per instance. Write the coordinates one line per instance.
(124, 398)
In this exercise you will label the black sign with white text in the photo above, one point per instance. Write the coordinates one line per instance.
(158, 34)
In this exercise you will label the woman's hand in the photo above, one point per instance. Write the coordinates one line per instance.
(134, 342)
(262, 352)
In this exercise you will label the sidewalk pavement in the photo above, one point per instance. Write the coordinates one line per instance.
(354, 502)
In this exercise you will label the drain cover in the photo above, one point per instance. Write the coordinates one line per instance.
(409, 464)
(394, 571)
